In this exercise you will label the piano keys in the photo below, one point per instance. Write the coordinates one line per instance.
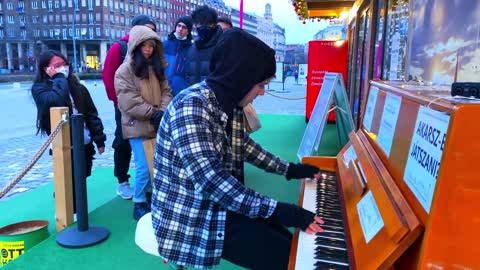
(377, 218)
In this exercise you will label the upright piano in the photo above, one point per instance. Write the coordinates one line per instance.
(404, 192)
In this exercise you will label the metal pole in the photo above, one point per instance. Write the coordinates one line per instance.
(75, 6)
(84, 235)
(77, 122)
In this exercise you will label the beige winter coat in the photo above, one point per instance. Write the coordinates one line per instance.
(139, 99)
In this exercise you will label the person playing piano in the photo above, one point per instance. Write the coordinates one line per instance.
(201, 210)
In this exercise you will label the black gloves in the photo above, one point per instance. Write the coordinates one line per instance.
(298, 171)
(155, 119)
(291, 215)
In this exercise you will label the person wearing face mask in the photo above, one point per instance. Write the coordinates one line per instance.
(55, 85)
(143, 94)
(205, 20)
(176, 48)
(122, 152)
(200, 202)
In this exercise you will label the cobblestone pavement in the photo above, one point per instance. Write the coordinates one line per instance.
(17, 151)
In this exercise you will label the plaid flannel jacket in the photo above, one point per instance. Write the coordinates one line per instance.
(194, 167)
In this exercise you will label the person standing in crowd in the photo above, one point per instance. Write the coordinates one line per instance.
(205, 22)
(55, 85)
(199, 201)
(225, 23)
(122, 151)
(143, 94)
(176, 49)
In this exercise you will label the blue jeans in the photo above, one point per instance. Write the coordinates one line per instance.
(142, 174)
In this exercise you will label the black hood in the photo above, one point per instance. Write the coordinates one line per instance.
(239, 61)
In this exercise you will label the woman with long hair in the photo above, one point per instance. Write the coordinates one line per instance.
(56, 86)
(143, 95)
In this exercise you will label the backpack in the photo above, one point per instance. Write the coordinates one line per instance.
(123, 48)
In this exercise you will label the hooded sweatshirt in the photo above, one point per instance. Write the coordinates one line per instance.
(139, 99)
(242, 62)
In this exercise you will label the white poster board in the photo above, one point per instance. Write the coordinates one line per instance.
(302, 74)
(425, 153)
(391, 109)
(278, 73)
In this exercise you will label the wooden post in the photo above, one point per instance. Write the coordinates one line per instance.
(149, 148)
(62, 169)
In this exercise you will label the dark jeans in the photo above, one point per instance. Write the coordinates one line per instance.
(122, 153)
(256, 243)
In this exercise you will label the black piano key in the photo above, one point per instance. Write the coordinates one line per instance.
(331, 251)
(334, 258)
(329, 266)
(330, 242)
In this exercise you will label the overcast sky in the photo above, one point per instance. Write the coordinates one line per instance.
(283, 15)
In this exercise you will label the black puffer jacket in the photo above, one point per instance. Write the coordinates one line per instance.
(55, 93)
(198, 59)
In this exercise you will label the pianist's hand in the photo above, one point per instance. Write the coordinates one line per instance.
(291, 215)
(299, 171)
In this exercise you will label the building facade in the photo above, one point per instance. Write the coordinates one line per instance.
(83, 30)
(279, 42)
(265, 26)
(249, 21)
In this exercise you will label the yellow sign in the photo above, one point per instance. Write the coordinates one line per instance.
(10, 251)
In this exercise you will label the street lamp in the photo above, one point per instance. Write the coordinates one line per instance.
(75, 6)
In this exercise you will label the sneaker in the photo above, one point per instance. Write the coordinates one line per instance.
(140, 209)
(125, 191)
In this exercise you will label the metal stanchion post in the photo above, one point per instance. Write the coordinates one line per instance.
(84, 235)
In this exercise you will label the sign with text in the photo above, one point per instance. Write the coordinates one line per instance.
(370, 219)
(388, 123)
(324, 56)
(370, 108)
(425, 153)
(314, 131)
(332, 92)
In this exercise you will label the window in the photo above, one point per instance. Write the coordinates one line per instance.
(51, 33)
(1, 34)
(20, 5)
(97, 3)
(90, 18)
(22, 19)
(98, 31)
(50, 18)
(1, 20)
(70, 3)
(11, 33)
(64, 18)
(64, 33)
(10, 19)
(98, 17)
(45, 33)
(34, 4)
(45, 19)
(9, 6)
(50, 6)
(57, 4)
(84, 3)
(64, 4)
(84, 18)
(57, 18)
(70, 32)
(90, 32)
(23, 34)
(90, 4)
(44, 4)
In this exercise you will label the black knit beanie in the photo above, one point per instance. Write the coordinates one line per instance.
(144, 20)
(187, 20)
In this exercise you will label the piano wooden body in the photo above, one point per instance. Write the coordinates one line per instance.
(407, 184)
